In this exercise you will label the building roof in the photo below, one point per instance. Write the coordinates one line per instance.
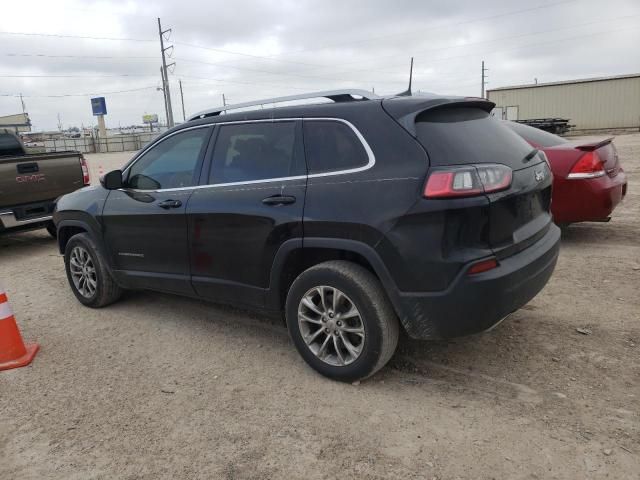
(565, 82)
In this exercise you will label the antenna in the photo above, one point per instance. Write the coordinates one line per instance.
(407, 93)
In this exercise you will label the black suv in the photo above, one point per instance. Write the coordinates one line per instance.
(354, 218)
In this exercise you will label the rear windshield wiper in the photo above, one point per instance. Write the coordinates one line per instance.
(530, 155)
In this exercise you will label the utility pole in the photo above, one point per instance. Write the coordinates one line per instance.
(184, 115)
(484, 81)
(22, 103)
(164, 95)
(165, 78)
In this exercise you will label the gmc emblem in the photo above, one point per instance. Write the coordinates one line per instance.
(38, 177)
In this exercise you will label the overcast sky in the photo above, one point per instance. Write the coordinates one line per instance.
(257, 49)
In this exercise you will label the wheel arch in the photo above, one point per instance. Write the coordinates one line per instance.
(67, 228)
(296, 255)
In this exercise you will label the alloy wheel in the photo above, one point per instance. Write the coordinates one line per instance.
(83, 272)
(331, 325)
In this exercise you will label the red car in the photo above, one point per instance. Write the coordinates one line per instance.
(588, 180)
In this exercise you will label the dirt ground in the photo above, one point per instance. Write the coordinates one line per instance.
(158, 386)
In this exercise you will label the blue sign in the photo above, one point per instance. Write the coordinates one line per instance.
(99, 106)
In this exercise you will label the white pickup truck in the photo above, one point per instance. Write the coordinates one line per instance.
(31, 183)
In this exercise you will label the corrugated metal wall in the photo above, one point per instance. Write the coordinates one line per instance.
(613, 103)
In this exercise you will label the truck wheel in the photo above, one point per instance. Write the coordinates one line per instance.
(341, 321)
(51, 228)
(87, 273)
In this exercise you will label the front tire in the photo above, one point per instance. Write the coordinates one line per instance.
(341, 321)
(87, 273)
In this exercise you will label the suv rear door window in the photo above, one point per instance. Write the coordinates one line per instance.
(255, 151)
(330, 146)
(170, 163)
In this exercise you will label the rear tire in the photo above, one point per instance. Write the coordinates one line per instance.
(360, 328)
(87, 273)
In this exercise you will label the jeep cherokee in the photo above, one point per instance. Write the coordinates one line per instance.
(354, 218)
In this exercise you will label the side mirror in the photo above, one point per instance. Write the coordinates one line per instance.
(112, 180)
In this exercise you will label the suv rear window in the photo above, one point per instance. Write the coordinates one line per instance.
(255, 151)
(462, 135)
(331, 145)
(535, 135)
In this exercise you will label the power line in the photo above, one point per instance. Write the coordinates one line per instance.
(340, 75)
(97, 57)
(377, 69)
(324, 77)
(499, 39)
(275, 56)
(268, 72)
(431, 60)
(250, 55)
(430, 27)
(83, 37)
(2, 75)
(77, 94)
(233, 82)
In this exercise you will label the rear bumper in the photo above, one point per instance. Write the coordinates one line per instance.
(589, 199)
(23, 217)
(474, 303)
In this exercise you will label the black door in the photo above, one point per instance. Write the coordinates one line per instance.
(253, 203)
(145, 226)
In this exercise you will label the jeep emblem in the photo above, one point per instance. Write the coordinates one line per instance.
(539, 174)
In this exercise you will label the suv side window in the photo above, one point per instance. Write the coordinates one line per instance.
(330, 145)
(255, 151)
(171, 163)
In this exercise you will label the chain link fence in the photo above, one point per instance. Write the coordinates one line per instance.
(112, 143)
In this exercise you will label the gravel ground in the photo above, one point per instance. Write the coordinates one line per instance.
(158, 386)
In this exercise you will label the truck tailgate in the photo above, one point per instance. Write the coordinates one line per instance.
(38, 177)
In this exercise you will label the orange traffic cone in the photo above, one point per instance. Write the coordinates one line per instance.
(13, 352)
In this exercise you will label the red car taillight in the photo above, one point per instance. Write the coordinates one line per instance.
(467, 181)
(590, 165)
(86, 179)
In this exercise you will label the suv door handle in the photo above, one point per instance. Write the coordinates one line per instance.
(167, 204)
(279, 200)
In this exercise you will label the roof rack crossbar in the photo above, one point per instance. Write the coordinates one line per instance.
(335, 95)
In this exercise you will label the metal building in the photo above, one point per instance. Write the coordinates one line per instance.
(19, 122)
(589, 104)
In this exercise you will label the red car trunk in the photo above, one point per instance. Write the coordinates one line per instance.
(589, 181)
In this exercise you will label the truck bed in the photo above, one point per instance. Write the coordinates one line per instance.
(38, 177)
(30, 184)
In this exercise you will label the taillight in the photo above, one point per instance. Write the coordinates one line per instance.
(590, 165)
(467, 181)
(543, 156)
(86, 179)
(482, 266)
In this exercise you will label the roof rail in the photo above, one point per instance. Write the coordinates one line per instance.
(335, 95)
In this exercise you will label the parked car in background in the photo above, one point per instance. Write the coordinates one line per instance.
(30, 183)
(352, 218)
(588, 180)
